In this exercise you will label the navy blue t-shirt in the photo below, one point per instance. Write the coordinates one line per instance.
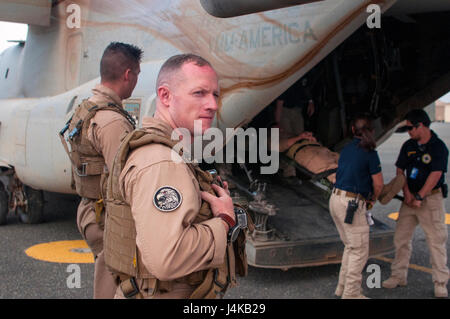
(356, 167)
(420, 160)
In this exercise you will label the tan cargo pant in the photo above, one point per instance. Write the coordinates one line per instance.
(431, 216)
(355, 237)
(179, 291)
(104, 281)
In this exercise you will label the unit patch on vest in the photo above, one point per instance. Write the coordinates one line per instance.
(167, 199)
(426, 158)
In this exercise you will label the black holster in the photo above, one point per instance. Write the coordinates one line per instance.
(444, 189)
(351, 209)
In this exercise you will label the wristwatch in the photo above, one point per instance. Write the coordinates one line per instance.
(227, 219)
(418, 197)
(241, 223)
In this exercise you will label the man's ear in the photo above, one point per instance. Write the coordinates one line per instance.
(164, 96)
(126, 75)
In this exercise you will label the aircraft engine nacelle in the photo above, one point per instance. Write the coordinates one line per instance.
(11, 65)
(30, 142)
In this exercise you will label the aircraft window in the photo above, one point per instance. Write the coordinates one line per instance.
(7, 72)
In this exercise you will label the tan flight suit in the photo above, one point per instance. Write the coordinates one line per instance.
(355, 237)
(431, 216)
(105, 132)
(170, 244)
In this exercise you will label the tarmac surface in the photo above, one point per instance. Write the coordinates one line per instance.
(24, 277)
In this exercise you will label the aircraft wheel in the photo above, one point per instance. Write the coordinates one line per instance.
(33, 213)
(3, 205)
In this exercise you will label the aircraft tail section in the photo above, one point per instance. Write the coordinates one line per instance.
(36, 12)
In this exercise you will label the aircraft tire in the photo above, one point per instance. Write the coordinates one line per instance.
(3, 205)
(35, 210)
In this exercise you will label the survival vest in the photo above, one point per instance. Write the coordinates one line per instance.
(120, 250)
(88, 166)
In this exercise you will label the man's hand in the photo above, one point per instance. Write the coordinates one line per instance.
(409, 198)
(307, 136)
(416, 203)
(369, 204)
(222, 203)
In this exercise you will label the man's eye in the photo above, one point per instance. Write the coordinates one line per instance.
(199, 93)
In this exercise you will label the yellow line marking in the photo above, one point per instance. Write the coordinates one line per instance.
(412, 266)
(69, 251)
(394, 216)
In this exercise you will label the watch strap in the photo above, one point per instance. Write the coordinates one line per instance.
(227, 218)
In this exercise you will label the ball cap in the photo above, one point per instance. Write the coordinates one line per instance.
(415, 116)
(402, 127)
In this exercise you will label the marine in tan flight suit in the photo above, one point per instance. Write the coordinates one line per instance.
(119, 74)
(165, 194)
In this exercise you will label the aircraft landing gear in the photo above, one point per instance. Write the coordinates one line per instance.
(27, 202)
(4, 207)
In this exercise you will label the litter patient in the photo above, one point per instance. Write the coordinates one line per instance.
(308, 153)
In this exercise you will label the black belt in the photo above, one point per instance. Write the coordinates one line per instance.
(338, 191)
(302, 147)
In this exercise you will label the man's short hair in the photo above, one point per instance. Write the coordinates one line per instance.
(418, 116)
(117, 58)
(175, 63)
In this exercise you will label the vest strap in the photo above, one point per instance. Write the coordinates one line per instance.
(129, 288)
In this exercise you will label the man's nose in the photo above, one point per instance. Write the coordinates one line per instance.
(212, 103)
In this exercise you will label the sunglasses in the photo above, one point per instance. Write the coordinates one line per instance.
(410, 127)
(406, 128)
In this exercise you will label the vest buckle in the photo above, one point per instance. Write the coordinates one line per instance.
(81, 173)
(216, 281)
(129, 288)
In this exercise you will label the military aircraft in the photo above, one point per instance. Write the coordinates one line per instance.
(384, 57)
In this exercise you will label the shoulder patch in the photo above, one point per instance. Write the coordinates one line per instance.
(167, 199)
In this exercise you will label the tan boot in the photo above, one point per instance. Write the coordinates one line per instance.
(339, 290)
(360, 296)
(393, 282)
(440, 290)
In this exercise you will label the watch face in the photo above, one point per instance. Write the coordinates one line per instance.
(241, 219)
(235, 233)
(241, 223)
